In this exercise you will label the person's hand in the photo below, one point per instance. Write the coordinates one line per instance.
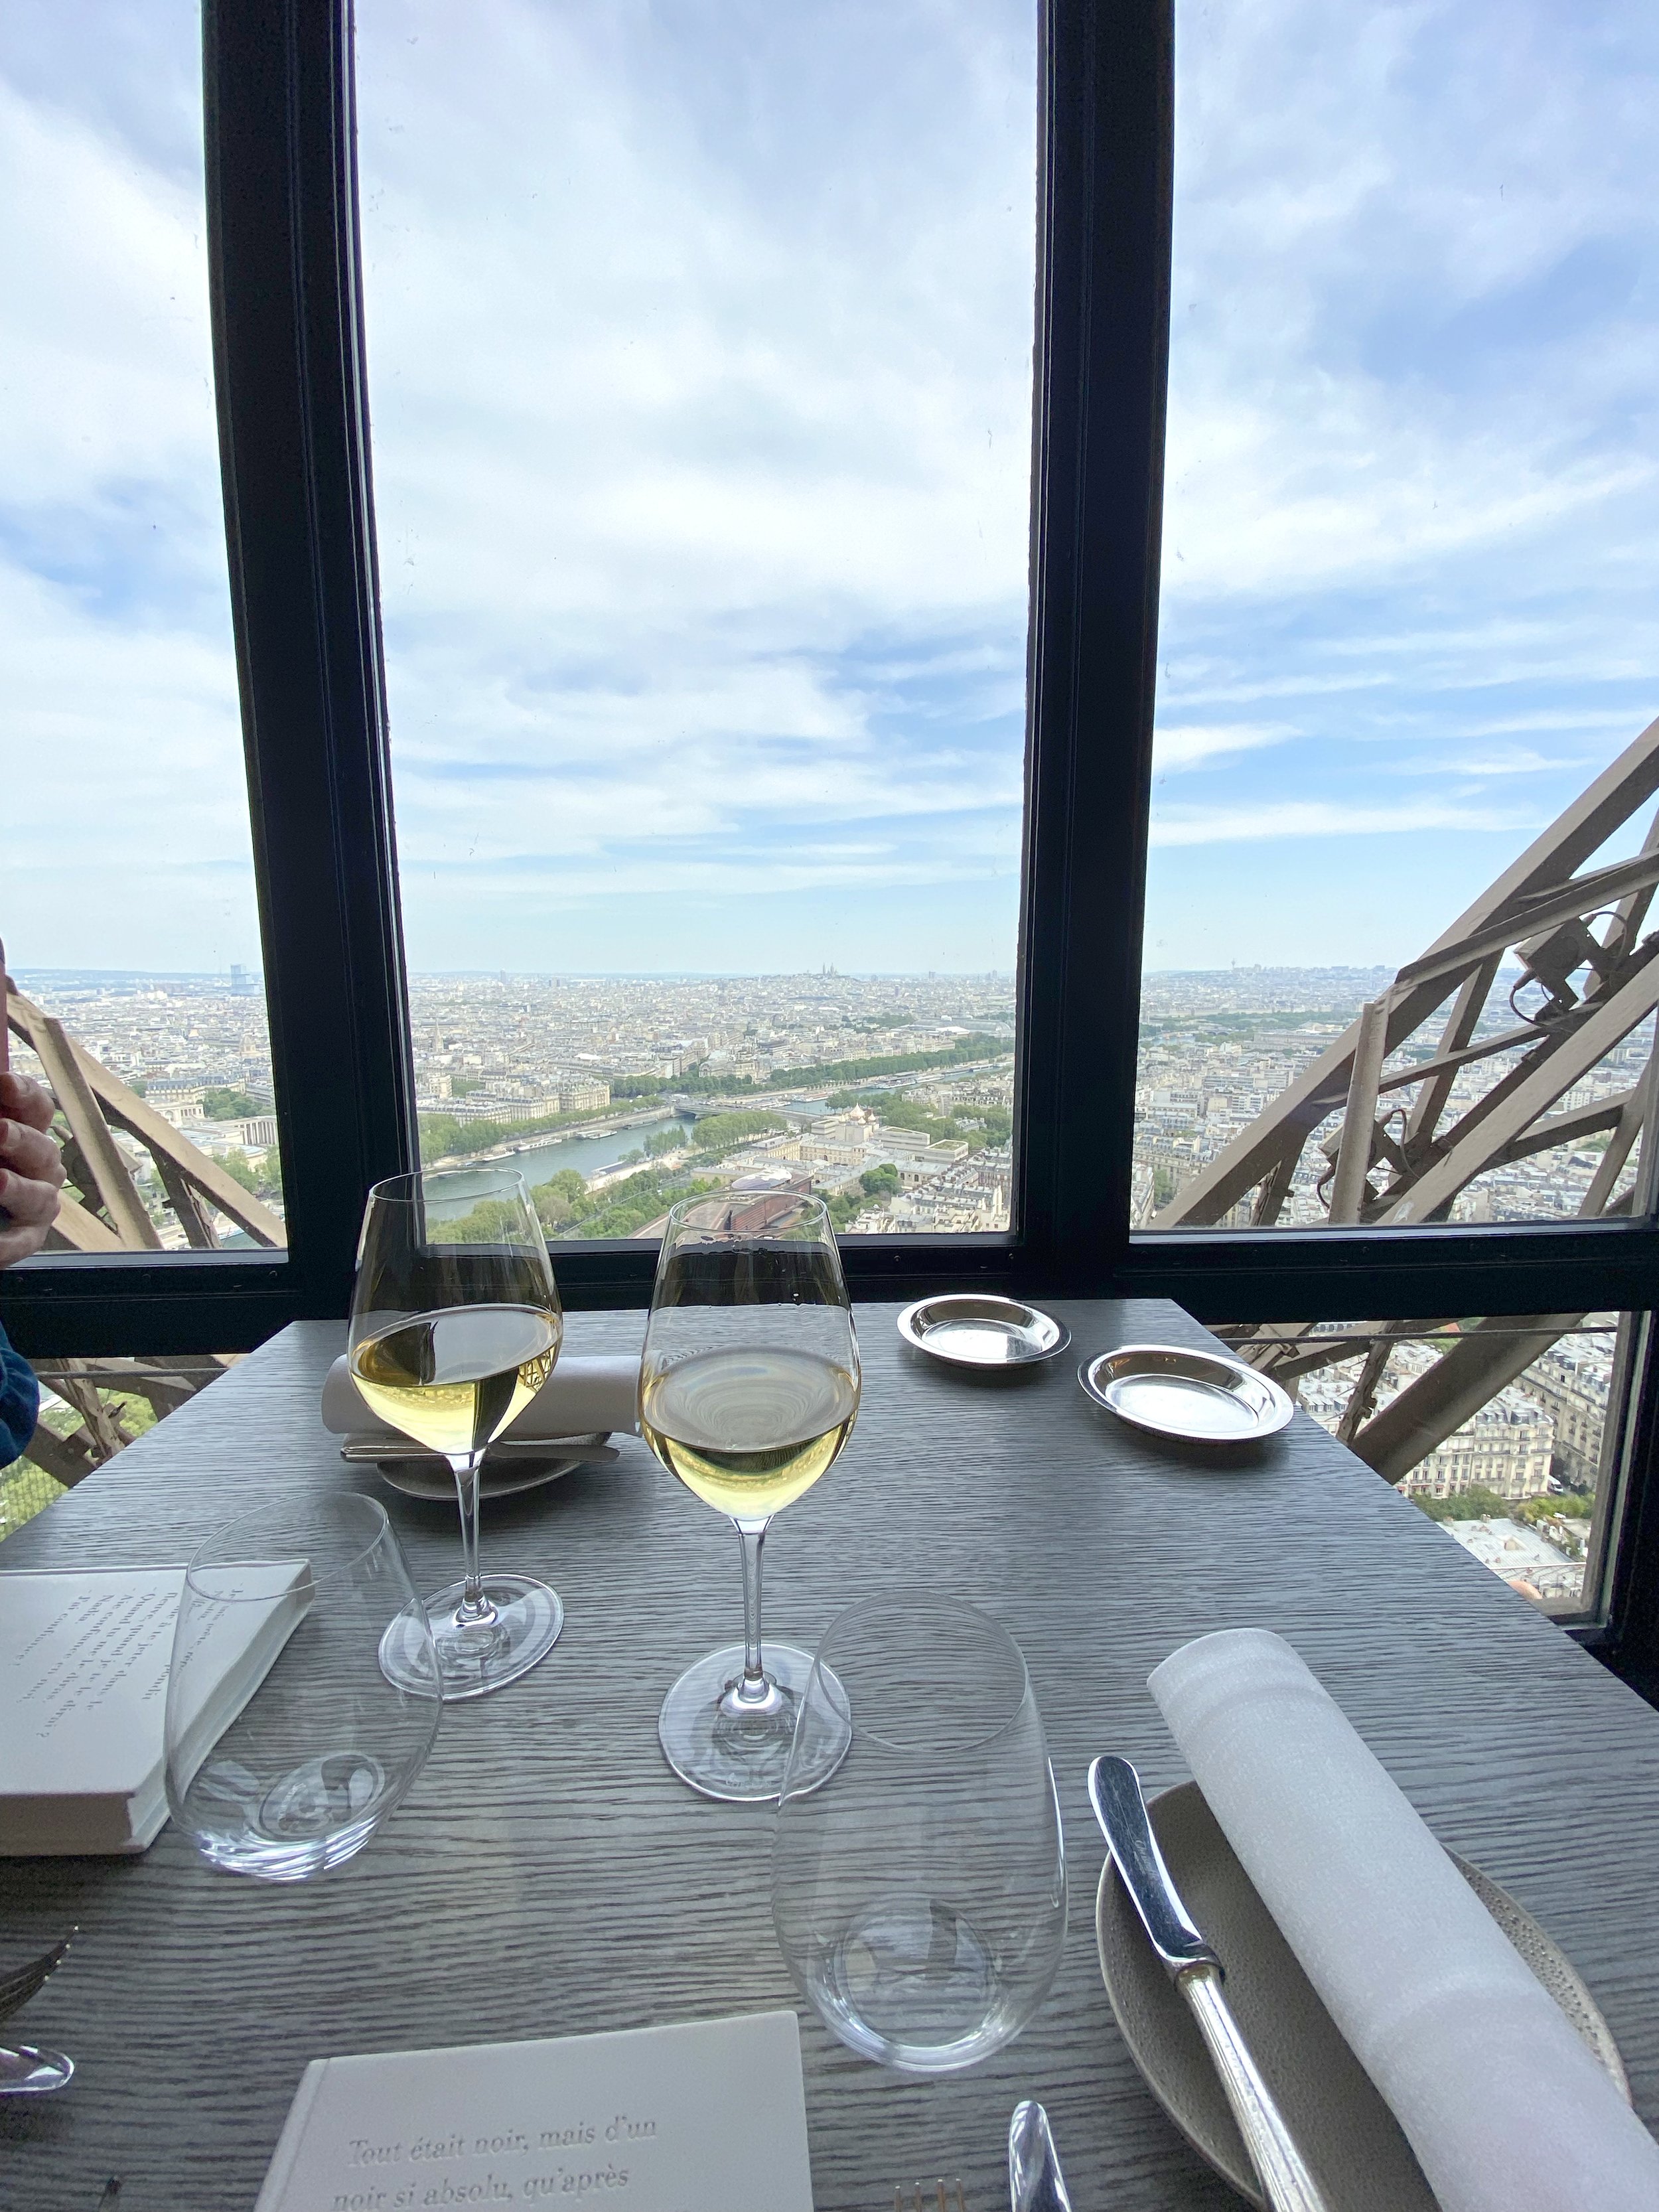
(31, 1173)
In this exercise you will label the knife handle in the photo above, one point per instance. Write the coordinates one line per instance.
(1284, 2175)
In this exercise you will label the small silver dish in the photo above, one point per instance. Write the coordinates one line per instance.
(1198, 1395)
(969, 1330)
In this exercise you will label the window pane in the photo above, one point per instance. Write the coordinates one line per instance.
(1507, 1434)
(90, 1410)
(130, 913)
(700, 356)
(1409, 531)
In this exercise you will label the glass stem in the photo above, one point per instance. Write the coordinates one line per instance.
(474, 1605)
(751, 1535)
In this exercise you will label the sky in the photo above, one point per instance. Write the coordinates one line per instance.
(699, 340)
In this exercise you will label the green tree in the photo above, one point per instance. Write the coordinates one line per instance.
(230, 1106)
(720, 1133)
(880, 1182)
(663, 1140)
(1476, 1504)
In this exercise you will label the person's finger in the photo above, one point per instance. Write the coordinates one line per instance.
(27, 1201)
(25, 1101)
(21, 1243)
(26, 1152)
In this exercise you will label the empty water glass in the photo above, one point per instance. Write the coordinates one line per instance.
(920, 1893)
(287, 1742)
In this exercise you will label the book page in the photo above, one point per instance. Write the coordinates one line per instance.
(85, 1657)
(707, 2116)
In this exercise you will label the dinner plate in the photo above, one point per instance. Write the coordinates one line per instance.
(1349, 2137)
(497, 1478)
(972, 1329)
(1198, 1395)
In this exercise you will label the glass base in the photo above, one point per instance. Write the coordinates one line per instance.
(311, 1817)
(914, 1986)
(737, 1751)
(476, 1656)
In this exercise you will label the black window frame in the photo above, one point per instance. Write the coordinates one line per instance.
(289, 348)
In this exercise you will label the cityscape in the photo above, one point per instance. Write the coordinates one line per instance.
(891, 1096)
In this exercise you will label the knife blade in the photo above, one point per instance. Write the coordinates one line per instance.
(1120, 1808)
(1035, 2181)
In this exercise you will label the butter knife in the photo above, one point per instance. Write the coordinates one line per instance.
(1193, 1966)
(1035, 2181)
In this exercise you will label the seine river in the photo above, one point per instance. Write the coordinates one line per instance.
(540, 1161)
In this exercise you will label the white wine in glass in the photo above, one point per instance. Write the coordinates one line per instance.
(699, 1417)
(454, 1381)
(748, 1388)
(455, 1326)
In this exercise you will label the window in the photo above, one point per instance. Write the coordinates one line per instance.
(499, 397)
(132, 924)
(1408, 546)
(699, 344)
(1507, 1431)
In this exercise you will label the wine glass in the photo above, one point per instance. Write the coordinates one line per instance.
(455, 1326)
(749, 1386)
(920, 1898)
(287, 1746)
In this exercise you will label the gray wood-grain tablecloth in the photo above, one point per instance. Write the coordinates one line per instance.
(549, 1875)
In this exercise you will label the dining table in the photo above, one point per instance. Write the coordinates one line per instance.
(548, 1874)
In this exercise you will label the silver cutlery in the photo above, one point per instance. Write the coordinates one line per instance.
(502, 1453)
(1035, 2181)
(27, 2071)
(19, 1985)
(1193, 1966)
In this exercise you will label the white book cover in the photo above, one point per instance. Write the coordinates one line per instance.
(83, 1679)
(709, 2116)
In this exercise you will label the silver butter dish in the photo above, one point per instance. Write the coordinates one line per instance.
(1198, 1395)
(969, 1329)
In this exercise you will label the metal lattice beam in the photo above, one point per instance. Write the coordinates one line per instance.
(1540, 910)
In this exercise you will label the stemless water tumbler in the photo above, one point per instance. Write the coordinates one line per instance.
(920, 1893)
(287, 1743)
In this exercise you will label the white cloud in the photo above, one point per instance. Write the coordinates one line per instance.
(1318, 818)
(1176, 746)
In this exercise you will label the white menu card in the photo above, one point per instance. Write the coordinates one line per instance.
(707, 2116)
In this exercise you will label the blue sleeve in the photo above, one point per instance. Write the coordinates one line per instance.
(20, 1402)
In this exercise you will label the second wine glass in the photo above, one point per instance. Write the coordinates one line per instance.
(455, 1326)
(749, 1387)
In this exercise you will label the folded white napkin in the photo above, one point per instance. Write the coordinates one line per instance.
(1504, 2106)
(584, 1394)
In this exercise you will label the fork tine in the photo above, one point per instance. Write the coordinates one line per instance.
(19, 1986)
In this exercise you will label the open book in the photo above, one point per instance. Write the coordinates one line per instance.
(83, 1683)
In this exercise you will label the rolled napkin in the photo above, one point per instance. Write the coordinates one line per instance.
(1505, 2107)
(584, 1394)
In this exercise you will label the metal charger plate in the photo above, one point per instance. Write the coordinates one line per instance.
(1349, 2137)
(1199, 1396)
(529, 1464)
(969, 1328)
